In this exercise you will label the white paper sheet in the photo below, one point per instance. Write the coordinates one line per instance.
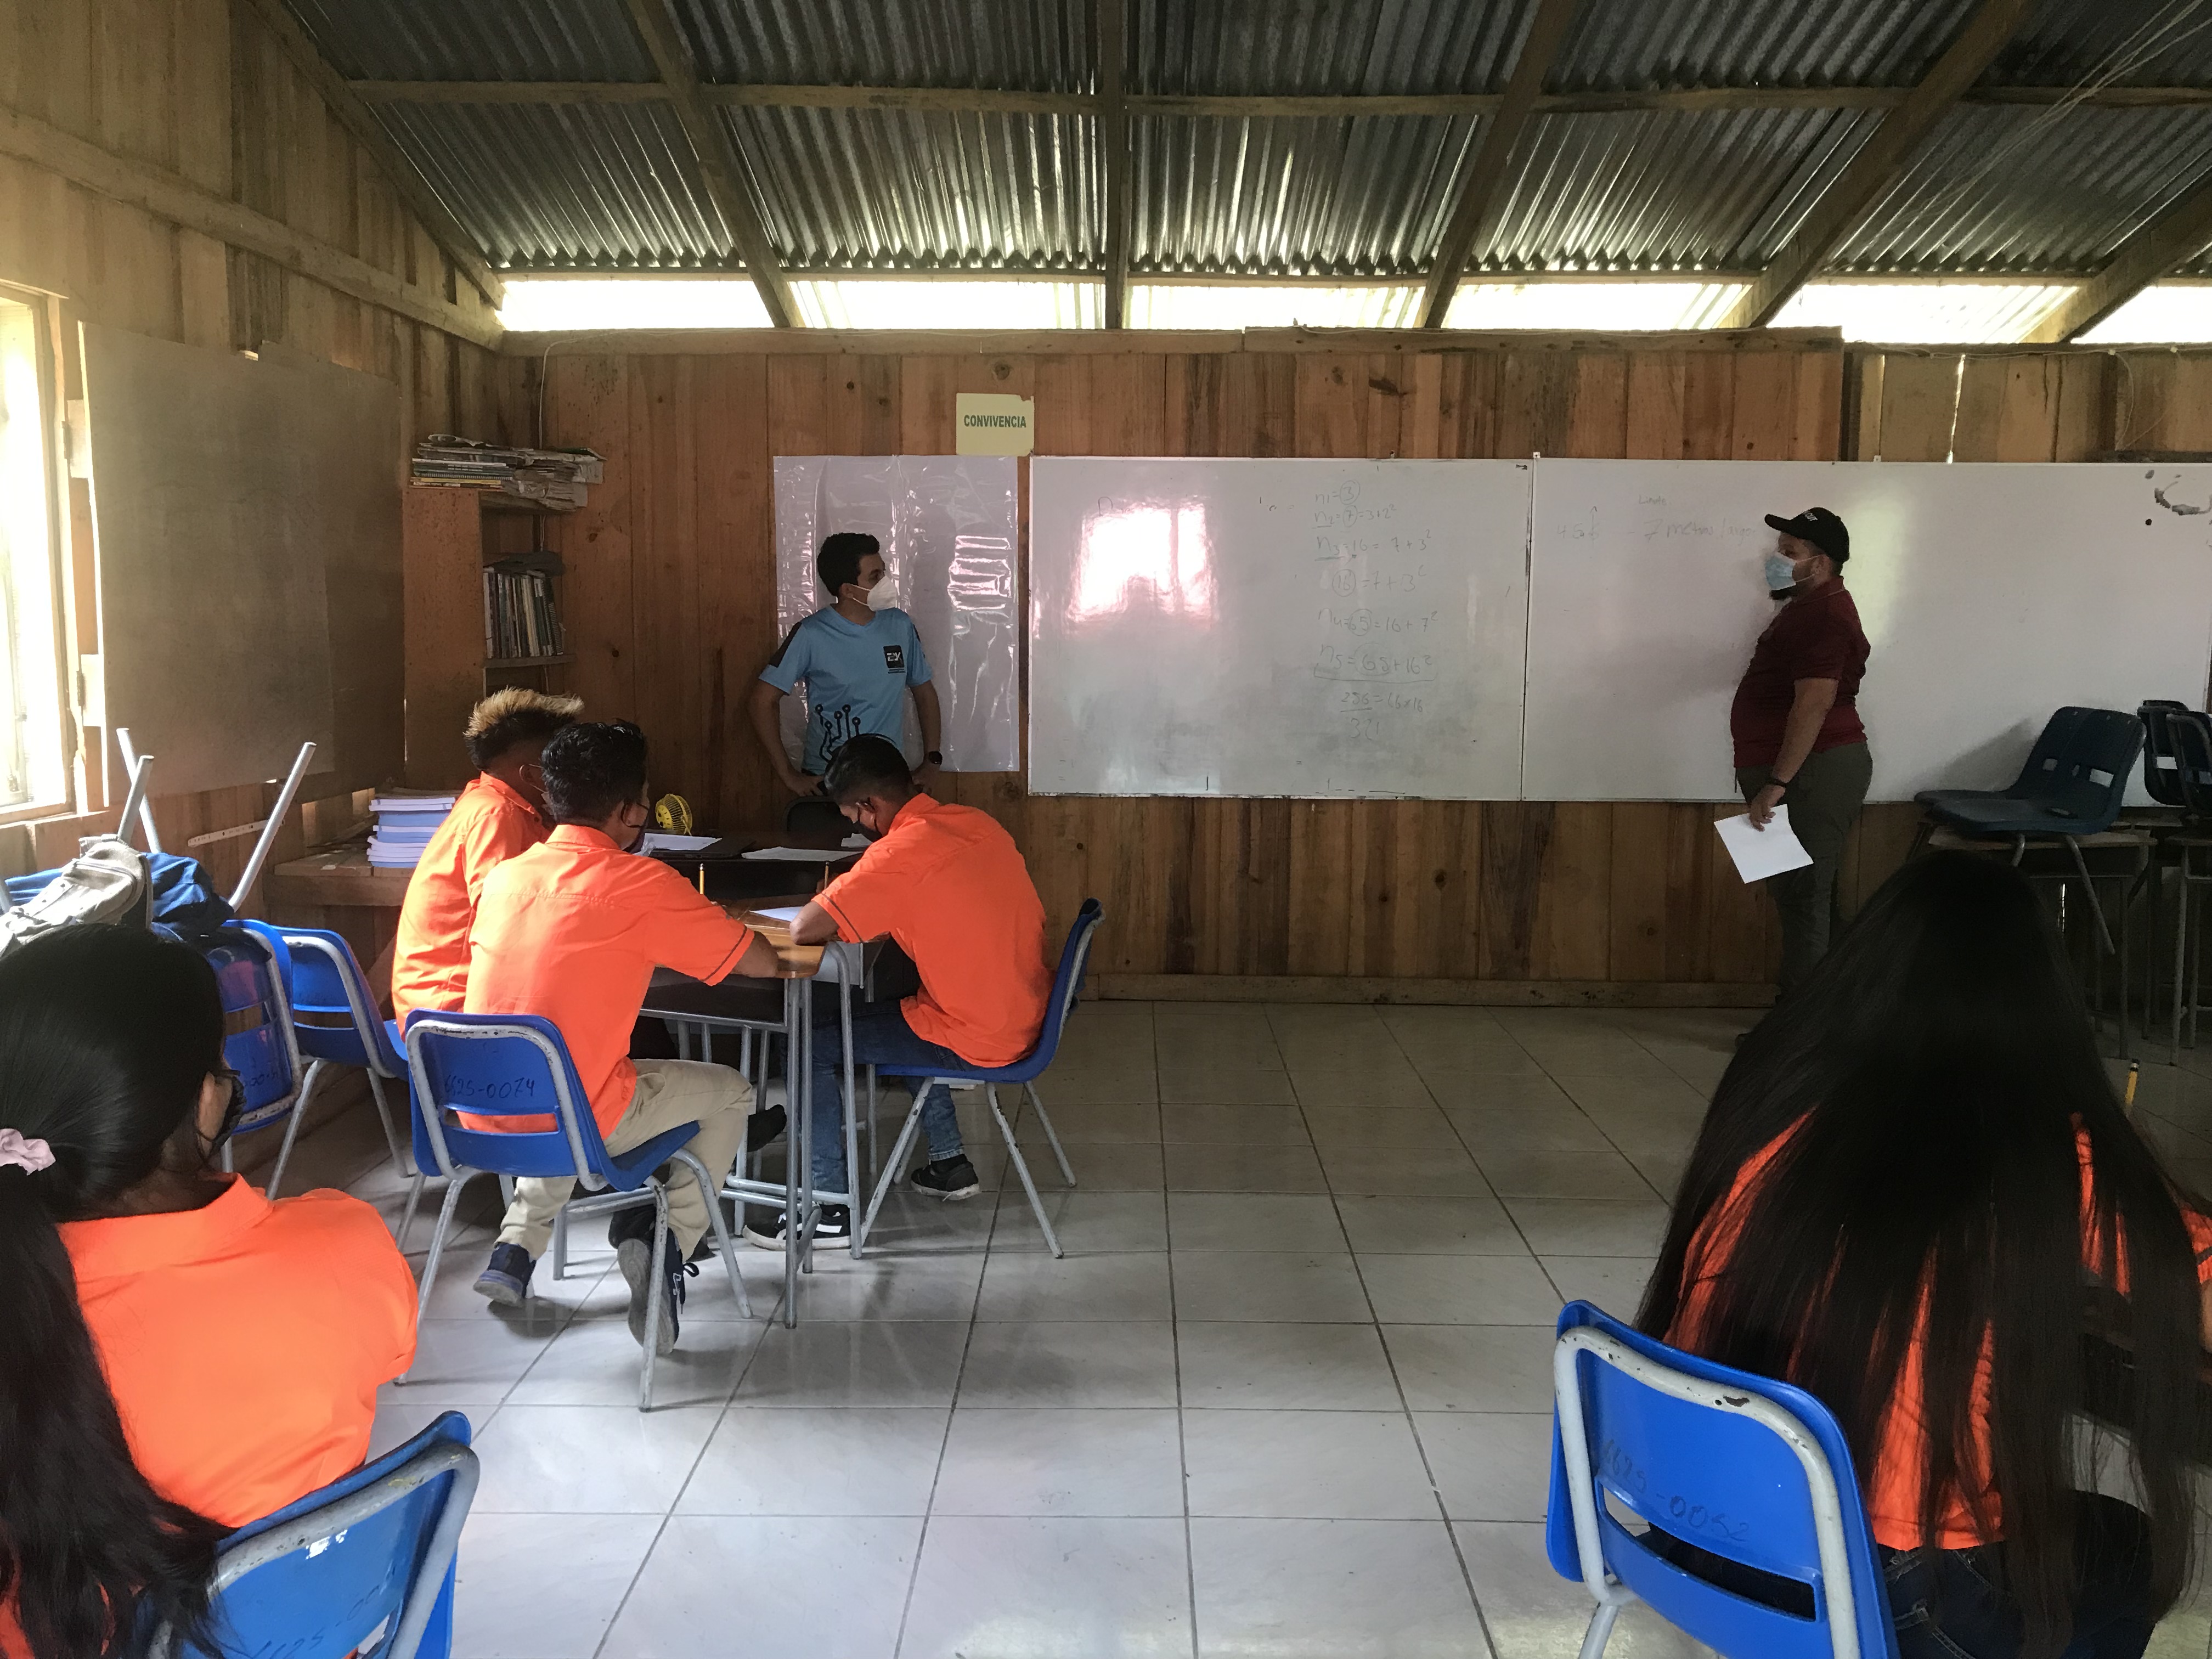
(656, 842)
(1760, 853)
(794, 855)
(783, 913)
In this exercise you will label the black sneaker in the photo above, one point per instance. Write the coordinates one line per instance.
(505, 1281)
(948, 1178)
(765, 1127)
(634, 1255)
(833, 1224)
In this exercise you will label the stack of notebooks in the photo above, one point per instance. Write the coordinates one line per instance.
(555, 478)
(519, 617)
(404, 823)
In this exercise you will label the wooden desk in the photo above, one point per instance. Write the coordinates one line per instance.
(338, 889)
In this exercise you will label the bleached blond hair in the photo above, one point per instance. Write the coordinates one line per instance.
(516, 714)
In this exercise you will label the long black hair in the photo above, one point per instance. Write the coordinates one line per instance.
(106, 1036)
(1937, 1066)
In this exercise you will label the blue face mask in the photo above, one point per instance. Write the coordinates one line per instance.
(1781, 573)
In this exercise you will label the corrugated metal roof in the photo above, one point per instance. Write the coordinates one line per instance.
(1281, 197)
(2032, 190)
(2065, 43)
(1252, 47)
(897, 189)
(1036, 45)
(477, 39)
(1621, 44)
(611, 186)
(1665, 190)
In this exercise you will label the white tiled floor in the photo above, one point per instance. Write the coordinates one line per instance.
(1286, 1395)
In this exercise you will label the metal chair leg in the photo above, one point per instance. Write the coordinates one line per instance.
(292, 1124)
(2096, 906)
(2180, 959)
(1051, 1134)
(414, 1194)
(657, 1297)
(1021, 1168)
(399, 1161)
(561, 1242)
(707, 1190)
(1601, 1629)
(453, 1185)
(906, 1135)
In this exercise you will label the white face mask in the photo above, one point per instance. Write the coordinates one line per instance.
(882, 596)
(1781, 572)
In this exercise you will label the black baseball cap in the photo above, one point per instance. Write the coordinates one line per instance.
(1820, 527)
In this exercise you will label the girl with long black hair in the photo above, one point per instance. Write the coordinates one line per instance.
(177, 1354)
(1910, 1175)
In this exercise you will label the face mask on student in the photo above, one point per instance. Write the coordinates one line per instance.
(882, 596)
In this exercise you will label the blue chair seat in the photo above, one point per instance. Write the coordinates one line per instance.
(1972, 812)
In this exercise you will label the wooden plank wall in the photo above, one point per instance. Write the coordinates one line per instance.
(670, 609)
(200, 87)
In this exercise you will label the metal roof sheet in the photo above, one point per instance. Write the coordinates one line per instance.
(1037, 45)
(1637, 44)
(2027, 189)
(2065, 43)
(477, 39)
(1253, 47)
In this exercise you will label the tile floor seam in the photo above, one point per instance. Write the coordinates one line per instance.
(630, 1590)
(1704, 1092)
(1182, 1439)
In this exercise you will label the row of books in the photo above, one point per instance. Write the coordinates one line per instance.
(405, 821)
(555, 478)
(519, 615)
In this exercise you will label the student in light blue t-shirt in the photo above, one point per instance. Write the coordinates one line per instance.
(860, 656)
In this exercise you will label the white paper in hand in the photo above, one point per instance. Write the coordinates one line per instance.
(1760, 853)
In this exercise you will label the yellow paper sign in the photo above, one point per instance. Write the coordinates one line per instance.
(994, 423)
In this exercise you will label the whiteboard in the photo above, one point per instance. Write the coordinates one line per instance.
(1290, 628)
(948, 526)
(1992, 594)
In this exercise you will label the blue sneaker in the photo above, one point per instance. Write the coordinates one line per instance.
(505, 1281)
(634, 1255)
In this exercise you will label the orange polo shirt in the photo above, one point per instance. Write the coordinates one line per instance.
(950, 886)
(244, 1341)
(1893, 1485)
(572, 930)
(489, 825)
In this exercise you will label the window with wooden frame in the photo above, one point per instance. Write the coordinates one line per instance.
(34, 740)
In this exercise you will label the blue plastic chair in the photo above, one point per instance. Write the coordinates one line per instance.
(366, 1564)
(1066, 985)
(258, 1040)
(1751, 1470)
(322, 978)
(493, 1066)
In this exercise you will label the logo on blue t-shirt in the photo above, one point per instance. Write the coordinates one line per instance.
(894, 659)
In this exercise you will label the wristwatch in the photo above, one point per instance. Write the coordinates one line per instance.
(935, 757)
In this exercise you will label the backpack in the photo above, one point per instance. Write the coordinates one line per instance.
(105, 882)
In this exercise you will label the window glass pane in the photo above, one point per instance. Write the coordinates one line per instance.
(30, 712)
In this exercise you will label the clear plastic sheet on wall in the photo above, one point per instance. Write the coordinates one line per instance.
(948, 527)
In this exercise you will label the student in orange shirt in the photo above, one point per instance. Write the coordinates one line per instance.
(178, 1355)
(948, 884)
(1904, 1176)
(500, 813)
(571, 931)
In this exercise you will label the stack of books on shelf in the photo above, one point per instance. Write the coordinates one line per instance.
(519, 615)
(405, 821)
(553, 478)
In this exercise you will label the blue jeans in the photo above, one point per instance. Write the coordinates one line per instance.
(881, 1036)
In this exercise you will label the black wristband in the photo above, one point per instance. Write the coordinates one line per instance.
(934, 758)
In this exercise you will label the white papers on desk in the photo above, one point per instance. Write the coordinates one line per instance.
(656, 842)
(1760, 853)
(793, 855)
(786, 914)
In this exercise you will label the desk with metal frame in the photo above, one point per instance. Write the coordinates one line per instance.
(747, 1006)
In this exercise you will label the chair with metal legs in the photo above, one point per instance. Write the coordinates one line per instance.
(323, 979)
(516, 1065)
(2190, 735)
(1067, 984)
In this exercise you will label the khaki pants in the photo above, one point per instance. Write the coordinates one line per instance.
(1823, 802)
(670, 1094)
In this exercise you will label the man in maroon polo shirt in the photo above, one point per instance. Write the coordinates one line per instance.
(1795, 724)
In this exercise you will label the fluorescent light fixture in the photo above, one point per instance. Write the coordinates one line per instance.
(2164, 314)
(1592, 305)
(1926, 313)
(949, 302)
(578, 302)
(1273, 305)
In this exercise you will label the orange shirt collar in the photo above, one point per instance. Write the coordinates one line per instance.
(500, 786)
(115, 1247)
(581, 835)
(921, 803)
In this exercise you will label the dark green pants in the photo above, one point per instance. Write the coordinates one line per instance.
(1824, 801)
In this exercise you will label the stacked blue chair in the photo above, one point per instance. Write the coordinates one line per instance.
(495, 1065)
(323, 980)
(365, 1566)
(1066, 985)
(258, 1041)
(1749, 1470)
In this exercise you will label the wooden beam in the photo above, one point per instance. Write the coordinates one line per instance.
(719, 165)
(986, 343)
(1110, 31)
(1482, 190)
(357, 118)
(2158, 248)
(178, 200)
(1320, 106)
(1880, 162)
